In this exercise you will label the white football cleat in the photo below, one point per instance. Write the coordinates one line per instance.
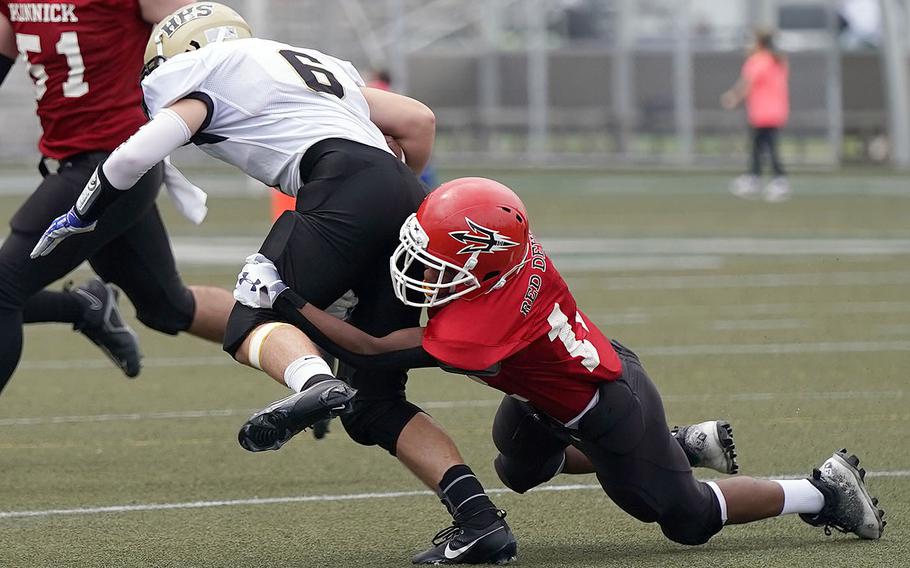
(848, 506)
(709, 444)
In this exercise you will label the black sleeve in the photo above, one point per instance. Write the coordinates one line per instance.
(288, 305)
(97, 196)
(5, 65)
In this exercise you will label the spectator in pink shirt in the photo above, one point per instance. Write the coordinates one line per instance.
(763, 87)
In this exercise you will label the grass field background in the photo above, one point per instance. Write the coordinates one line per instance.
(790, 320)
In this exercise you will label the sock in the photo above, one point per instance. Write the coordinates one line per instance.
(800, 496)
(297, 375)
(721, 500)
(465, 499)
(48, 306)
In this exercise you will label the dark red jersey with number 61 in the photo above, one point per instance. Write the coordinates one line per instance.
(84, 57)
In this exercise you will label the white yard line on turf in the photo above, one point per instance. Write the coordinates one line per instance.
(326, 498)
(765, 280)
(622, 252)
(658, 351)
(444, 404)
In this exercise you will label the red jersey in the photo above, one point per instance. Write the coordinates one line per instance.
(85, 57)
(550, 353)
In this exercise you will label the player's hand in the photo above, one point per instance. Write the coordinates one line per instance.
(62, 227)
(258, 284)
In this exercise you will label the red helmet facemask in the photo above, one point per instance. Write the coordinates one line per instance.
(471, 233)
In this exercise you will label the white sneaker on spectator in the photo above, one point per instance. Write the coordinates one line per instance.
(746, 186)
(777, 190)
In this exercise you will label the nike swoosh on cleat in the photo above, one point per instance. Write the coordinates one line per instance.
(452, 553)
(94, 303)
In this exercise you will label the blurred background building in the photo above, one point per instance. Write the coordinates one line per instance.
(600, 82)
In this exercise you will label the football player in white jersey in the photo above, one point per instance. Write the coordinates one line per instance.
(304, 122)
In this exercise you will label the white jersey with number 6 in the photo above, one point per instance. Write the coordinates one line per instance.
(268, 102)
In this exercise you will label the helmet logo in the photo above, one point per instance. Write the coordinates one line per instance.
(481, 239)
(190, 13)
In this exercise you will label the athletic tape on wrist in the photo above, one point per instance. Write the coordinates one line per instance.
(257, 340)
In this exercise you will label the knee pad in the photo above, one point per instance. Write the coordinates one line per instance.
(694, 521)
(520, 476)
(519, 433)
(688, 531)
(172, 315)
(378, 422)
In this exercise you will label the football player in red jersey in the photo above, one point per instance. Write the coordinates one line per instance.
(85, 58)
(579, 403)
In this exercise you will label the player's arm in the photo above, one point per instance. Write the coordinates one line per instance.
(260, 286)
(153, 11)
(410, 122)
(171, 128)
(401, 349)
(8, 51)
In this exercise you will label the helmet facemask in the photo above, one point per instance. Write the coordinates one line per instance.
(452, 281)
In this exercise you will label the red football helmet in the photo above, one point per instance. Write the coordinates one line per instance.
(472, 232)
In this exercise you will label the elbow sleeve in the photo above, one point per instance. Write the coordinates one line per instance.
(148, 146)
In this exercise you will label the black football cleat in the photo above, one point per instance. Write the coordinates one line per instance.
(460, 544)
(271, 427)
(709, 445)
(849, 508)
(103, 324)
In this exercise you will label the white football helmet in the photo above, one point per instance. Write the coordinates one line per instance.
(190, 28)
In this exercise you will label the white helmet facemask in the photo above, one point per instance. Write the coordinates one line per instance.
(450, 277)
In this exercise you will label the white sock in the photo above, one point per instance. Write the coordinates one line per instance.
(300, 371)
(721, 500)
(800, 496)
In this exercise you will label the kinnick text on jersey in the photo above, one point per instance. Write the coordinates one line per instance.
(55, 13)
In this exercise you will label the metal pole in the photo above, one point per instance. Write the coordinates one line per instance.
(489, 84)
(683, 105)
(834, 104)
(256, 13)
(537, 77)
(398, 49)
(895, 74)
(622, 76)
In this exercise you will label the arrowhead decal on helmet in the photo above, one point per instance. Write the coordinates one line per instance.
(481, 239)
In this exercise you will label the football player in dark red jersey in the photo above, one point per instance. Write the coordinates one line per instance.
(89, 102)
(579, 403)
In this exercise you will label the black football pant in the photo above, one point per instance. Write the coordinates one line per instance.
(639, 464)
(129, 248)
(340, 238)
